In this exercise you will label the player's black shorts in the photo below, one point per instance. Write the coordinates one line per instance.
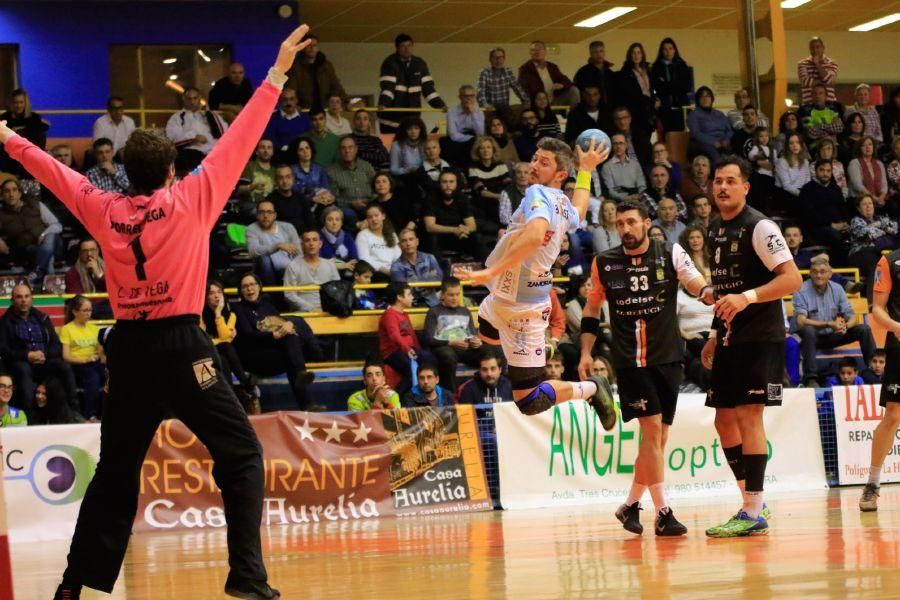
(648, 391)
(890, 383)
(749, 373)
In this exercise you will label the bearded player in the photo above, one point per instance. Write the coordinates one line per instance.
(518, 274)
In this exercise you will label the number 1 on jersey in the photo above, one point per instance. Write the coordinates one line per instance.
(140, 257)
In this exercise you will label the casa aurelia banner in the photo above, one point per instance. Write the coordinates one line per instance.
(564, 456)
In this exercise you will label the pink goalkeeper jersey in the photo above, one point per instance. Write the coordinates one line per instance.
(156, 248)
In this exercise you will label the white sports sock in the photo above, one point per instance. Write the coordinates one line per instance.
(582, 390)
(637, 491)
(753, 503)
(874, 476)
(659, 496)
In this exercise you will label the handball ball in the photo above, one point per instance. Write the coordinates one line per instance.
(600, 138)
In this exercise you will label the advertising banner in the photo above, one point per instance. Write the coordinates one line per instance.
(6, 584)
(564, 457)
(856, 415)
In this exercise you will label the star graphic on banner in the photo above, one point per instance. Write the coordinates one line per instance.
(305, 431)
(333, 433)
(361, 432)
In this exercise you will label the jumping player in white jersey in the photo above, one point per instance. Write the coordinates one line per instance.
(518, 275)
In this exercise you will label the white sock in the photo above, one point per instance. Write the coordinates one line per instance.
(582, 390)
(753, 503)
(874, 476)
(659, 496)
(637, 491)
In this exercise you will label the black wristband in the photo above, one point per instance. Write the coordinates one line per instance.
(590, 325)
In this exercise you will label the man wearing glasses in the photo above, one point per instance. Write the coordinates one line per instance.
(115, 125)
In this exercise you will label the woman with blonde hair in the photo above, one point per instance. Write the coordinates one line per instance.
(488, 175)
(20, 118)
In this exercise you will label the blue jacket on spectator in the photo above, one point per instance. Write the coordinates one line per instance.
(342, 246)
(284, 131)
(308, 183)
(709, 126)
(15, 347)
(425, 269)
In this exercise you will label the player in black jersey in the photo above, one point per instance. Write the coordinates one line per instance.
(640, 280)
(752, 270)
(886, 312)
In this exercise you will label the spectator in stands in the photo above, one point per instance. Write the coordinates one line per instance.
(736, 114)
(698, 182)
(656, 233)
(667, 220)
(893, 171)
(417, 266)
(660, 156)
(292, 198)
(336, 123)
(870, 235)
(788, 123)
(50, 406)
(602, 366)
(370, 148)
(398, 344)
(115, 125)
(702, 211)
(823, 213)
(710, 130)
(194, 130)
(351, 180)
(825, 319)
(606, 234)
(526, 143)
(63, 153)
(489, 385)
(826, 149)
(107, 175)
(890, 116)
(793, 237)
(337, 243)
(406, 151)
(590, 113)
(512, 194)
(634, 91)
(450, 222)
(432, 166)
(540, 75)
(874, 372)
(848, 373)
(869, 113)
(32, 350)
(269, 344)
(271, 243)
(308, 268)
(324, 140)
(672, 79)
(694, 322)
(638, 145)
(791, 174)
(88, 274)
(867, 174)
(10, 416)
(622, 176)
(659, 189)
(488, 175)
(854, 131)
(81, 349)
(427, 391)
(313, 77)
(569, 346)
(377, 244)
(376, 395)
(286, 125)
(20, 118)
(498, 130)
(465, 122)
(404, 80)
(816, 68)
(230, 93)
(31, 232)
(548, 123)
(693, 241)
(762, 180)
(494, 83)
(742, 141)
(554, 368)
(364, 299)
(596, 72)
(220, 323)
(821, 118)
(450, 333)
(397, 207)
(259, 175)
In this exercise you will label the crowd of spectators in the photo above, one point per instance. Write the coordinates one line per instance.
(324, 199)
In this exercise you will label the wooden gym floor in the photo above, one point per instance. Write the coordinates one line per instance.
(820, 546)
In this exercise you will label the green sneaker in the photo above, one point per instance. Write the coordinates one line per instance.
(603, 402)
(740, 525)
(766, 513)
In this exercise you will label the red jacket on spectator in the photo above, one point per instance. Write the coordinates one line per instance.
(531, 81)
(395, 332)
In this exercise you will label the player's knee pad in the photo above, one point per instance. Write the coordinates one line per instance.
(541, 398)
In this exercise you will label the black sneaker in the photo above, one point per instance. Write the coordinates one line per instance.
(668, 525)
(603, 402)
(630, 517)
(252, 590)
(67, 593)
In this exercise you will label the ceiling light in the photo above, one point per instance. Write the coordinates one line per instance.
(173, 77)
(793, 3)
(606, 16)
(204, 56)
(877, 23)
(170, 61)
(788, 102)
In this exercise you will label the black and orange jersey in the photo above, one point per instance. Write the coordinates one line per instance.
(887, 281)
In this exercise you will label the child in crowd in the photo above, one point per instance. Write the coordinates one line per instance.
(762, 181)
(362, 275)
(848, 373)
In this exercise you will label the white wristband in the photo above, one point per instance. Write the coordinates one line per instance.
(276, 78)
(750, 295)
